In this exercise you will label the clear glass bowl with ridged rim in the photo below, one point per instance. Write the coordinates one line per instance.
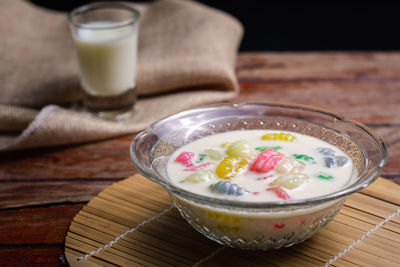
(257, 225)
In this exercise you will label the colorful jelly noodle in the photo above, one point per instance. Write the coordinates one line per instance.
(260, 166)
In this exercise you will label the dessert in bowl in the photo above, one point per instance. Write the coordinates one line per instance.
(258, 175)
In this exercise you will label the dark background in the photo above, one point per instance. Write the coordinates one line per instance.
(304, 25)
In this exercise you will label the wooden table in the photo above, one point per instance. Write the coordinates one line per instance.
(41, 190)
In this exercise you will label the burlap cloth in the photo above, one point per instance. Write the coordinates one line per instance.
(187, 53)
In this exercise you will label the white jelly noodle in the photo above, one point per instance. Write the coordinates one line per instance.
(260, 166)
(107, 58)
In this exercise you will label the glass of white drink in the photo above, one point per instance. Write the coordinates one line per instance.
(106, 37)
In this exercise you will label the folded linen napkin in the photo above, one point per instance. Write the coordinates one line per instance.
(187, 53)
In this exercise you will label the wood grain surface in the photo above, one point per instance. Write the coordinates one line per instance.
(41, 190)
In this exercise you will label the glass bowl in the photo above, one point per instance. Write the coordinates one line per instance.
(257, 225)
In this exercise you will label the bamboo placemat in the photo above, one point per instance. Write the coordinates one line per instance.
(133, 223)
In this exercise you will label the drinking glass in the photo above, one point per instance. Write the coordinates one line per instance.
(106, 39)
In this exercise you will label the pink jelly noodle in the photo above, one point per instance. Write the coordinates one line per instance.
(279, 192)
(199, 167)
(186, 158)
(266, 161)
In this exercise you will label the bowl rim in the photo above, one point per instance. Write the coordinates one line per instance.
(364, 179)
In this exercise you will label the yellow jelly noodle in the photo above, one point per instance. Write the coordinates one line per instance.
(199, 176)
(290, 181)
(225, 145)
(226, 219)
(230, 166)
(279, 136)
(239, 148)
(289, 165)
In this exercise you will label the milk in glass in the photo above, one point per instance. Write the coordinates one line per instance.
(107, 57)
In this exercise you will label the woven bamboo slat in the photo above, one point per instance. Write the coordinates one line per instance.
(169, 241)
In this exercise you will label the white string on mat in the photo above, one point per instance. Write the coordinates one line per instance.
(201, 261)
(367, 234)
(137, 227)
